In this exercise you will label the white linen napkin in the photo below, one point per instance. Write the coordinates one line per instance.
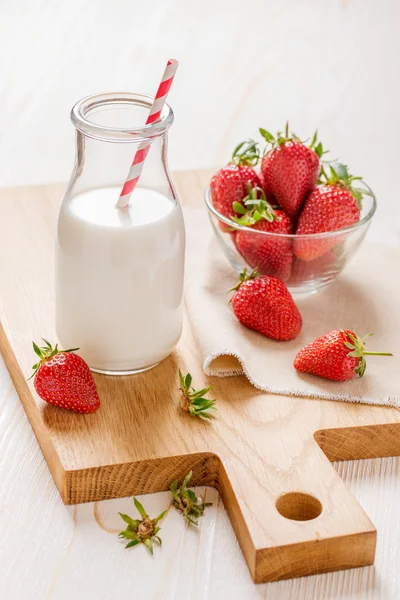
(365, 297)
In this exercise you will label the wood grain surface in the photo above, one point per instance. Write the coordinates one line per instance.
(291, 511)
(326, 65)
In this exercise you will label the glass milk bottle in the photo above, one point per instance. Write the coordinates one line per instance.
(119, 271)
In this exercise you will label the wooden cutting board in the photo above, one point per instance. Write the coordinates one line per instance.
(269, 456)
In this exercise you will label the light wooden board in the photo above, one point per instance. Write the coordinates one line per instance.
(338, 58)
(84, 559)
(261, 446)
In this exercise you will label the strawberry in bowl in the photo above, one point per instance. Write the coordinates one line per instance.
(271, 255)
(334, 205)
(290, 169)
(301, 221)
(229, 185)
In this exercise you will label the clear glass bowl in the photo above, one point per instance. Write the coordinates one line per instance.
(332, 249)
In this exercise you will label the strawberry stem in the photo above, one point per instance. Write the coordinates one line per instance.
(46, 352)
(378, 354)
(356, 346)
(194, 401)
(246, 153)
(185, 500)
(255, 209)
(244, 277)
(282, 138)
(141, 531)
(339, 176)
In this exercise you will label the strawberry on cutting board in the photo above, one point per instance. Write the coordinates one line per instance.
(229, 184)
(290, 169)
(269, 255)
(63, 379)
(337, 355)
(264, 304)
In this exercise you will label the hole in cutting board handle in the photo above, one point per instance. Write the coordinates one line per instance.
(298, 506)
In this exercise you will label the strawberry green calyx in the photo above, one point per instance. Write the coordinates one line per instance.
(339, 176)
(246, 153)
(256, 208)
(317, 146)
(280, 138)
(191, 506)
(193, 401)
(141, 531)
(46, 353)
(286, 136)
(356, 346)
(244, 277)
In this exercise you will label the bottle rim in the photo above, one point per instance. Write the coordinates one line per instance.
(80, 117)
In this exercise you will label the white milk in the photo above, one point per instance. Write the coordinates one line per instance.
(119, 278)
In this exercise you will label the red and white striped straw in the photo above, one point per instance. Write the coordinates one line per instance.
(154, 115)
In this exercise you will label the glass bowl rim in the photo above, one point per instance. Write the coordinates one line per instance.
(308, 236)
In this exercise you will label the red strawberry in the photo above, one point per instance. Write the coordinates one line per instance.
(338, 355)
(270, 255)
(321, 269)
(264, 304)
(63, 378)
(265, 181)
(229, 184)
(329, 207)
(290, 170)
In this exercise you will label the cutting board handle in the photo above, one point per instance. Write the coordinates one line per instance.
(298, 520)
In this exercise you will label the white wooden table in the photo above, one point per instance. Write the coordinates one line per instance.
(331, 65)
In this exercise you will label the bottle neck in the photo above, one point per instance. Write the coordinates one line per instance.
(109, 133)
(100, 164)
